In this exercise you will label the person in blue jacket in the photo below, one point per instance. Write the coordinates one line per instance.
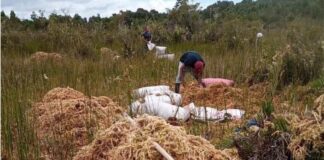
(147, 36)
(193, 63)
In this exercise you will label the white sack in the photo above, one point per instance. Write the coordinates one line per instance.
(141, 92)
(160, 109)
(166, 56)
(136, 108)
(171, 99)
(160, 50)
(150, 45)
(235, 113)
(215, 115)
(176, 98)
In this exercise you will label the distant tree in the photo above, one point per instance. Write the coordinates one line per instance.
(78, 20)
(96, 23)
(33, 16)
(186, 16)
(141, 13)
(218, 9)
(181, 3)
(55, 18)
(13, 19)
(154, 14)
(95, 19)
(40, 21)
(4, 17)
(4, 21)
(13, 15)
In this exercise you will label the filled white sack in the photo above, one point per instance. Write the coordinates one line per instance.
(160, 50)
(176, 98)
(161, 90)
(166, 56)
(235, 113)
(142, 92)
(212, 114)
(161, 109)
(216, 115)
(171, 99)
(150, 45)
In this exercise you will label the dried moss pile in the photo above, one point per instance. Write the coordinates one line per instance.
(66, 120)
(126, 141)
(43, 56)
(224, 96)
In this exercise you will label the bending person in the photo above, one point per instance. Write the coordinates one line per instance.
(193, 63)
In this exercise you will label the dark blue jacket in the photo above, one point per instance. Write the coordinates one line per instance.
(190, 58)
(147, 35)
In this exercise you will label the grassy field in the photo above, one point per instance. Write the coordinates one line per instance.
(24, 83)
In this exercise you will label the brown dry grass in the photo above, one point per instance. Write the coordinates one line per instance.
(108, 53)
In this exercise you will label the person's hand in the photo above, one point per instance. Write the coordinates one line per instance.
(177, 88)
(183, 84)
(202, 84)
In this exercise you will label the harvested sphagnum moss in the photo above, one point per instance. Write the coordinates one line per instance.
(66, 120)
(126, 141)
(43, 56)
(62, 94)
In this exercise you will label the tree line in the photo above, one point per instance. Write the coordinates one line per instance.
(183, 14)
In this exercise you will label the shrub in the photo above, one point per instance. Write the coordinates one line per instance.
(296, 65)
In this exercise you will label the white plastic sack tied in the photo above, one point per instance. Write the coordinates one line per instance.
(161, 109)
(160, 50)
(142, 92)
(173, 99)
(162, 90)
(166, 56)
(215, 115)
(150, 45)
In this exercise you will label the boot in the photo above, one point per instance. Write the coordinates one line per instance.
(177, 88)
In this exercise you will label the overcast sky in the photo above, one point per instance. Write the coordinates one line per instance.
(87, 8)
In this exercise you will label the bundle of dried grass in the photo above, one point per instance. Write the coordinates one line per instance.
(62, 94)
(232, 152)
(108, 53)
(308, 134)
(213, 95)
(126, 141)
(229, 97)
(43, 56)
(66, 120)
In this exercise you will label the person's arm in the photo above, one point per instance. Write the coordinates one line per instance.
(199, 80)
(181, 72)
(180, 76)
